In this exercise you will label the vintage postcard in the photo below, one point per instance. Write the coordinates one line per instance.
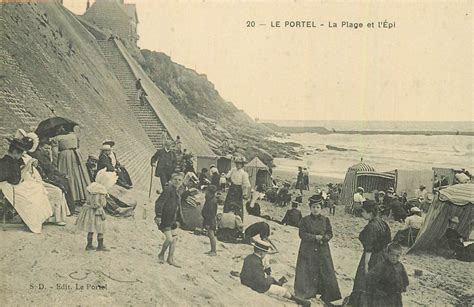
(236, 153)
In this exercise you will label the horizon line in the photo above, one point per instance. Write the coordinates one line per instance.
(361, 120)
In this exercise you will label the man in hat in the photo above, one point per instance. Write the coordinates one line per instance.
(300, 180)
(292, 216)
(11, 163)
(165, 162)
(253, 275)
(124, 179)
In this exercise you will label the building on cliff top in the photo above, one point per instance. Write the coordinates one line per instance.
(118, 17)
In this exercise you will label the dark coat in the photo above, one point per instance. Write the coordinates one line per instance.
(168, 206)
(10, 170)
(314, 268)
(300, 181)
(385, 284)
(374, 238)
(105, 162)
(255, 211)
(292, 217)
(46, 167)
(166, 161)
(253, 276)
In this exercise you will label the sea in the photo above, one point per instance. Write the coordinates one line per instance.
(383, 152)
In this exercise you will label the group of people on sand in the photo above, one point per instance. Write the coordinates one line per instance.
(43, 178)
(392, 205)
(380, 276)
(168, 215)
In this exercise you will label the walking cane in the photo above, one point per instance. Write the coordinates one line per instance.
(151, 183)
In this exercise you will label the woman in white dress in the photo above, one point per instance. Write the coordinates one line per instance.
(29, 198)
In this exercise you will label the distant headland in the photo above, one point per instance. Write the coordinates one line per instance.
(324, 130)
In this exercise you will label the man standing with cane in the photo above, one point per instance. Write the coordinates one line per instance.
(165, 162)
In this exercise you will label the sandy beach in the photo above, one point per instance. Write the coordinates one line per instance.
(54, 269)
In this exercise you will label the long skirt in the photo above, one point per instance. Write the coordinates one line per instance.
(359, 295)
(235, 198)
(315, 275)
(30, 200)
(58, 203)
(124, 179)
(70, 163)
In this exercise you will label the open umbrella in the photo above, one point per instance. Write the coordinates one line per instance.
(49, 126)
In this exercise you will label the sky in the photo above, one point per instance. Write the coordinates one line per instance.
(419, 70)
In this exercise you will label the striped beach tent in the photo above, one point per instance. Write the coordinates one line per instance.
(456, 200)
(350, 182)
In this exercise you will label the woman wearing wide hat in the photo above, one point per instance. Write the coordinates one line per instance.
(239, 186)
(28, 197)
(314, 268)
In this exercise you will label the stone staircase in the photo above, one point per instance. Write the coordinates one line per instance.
(145, 114)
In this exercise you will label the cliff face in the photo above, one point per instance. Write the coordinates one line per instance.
(49, 61)
(190, 92)
(217, 119)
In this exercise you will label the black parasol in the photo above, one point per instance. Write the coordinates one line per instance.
(49, 126)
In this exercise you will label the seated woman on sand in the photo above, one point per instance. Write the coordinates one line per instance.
(28, 197)
(413, 224)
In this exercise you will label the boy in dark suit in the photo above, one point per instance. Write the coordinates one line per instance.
(254, 277)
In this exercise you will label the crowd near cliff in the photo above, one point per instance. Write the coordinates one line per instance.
(44, 178)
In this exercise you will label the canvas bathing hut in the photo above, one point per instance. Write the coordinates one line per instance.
(259, 173)
(409, 181)
(456, 200)
(365, 176)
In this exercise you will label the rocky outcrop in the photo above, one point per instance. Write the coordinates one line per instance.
(226, 128)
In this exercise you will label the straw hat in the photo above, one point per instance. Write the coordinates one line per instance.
(261, 245)
(415, 210)
(360, 189)
(108, 142)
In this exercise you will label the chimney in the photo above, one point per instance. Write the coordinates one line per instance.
(88, 5)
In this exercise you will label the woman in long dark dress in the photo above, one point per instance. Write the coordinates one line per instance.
(314, 268)
(374, 238)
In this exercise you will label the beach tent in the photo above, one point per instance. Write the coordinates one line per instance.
(410, 180)
(365, 176)
(350, 182)
(224, 164)
(449, 173)
(456, 200)
(205, 162)
(258, 173)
